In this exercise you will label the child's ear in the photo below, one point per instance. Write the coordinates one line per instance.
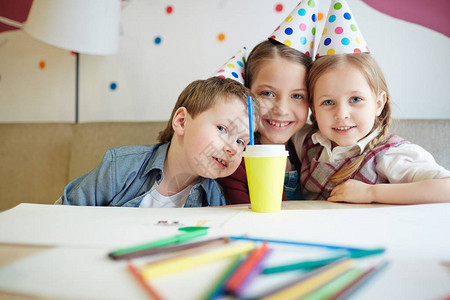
(381, 101)
(179, 121)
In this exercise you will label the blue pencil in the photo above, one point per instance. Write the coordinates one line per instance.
(250, 119)
(332, 247)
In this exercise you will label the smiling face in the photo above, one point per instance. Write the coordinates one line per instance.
(280, 86)
(214, 140)
(345, 106)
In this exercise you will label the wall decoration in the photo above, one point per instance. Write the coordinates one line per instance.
(164, 45)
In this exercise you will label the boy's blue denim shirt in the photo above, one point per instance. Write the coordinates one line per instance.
(127, 174)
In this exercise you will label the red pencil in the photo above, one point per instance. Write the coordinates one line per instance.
(150, 290)
(238, 277)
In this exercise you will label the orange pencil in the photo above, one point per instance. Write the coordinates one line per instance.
(243, 273)
(147, 286)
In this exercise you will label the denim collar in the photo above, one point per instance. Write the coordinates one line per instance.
(157, 160)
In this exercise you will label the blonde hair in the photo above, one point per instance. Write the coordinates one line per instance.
(201, 95)
(270, 49)
(367, 65)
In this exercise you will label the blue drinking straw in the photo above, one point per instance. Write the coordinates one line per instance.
(250, 119)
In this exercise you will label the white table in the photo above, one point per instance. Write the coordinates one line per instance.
(60, 251)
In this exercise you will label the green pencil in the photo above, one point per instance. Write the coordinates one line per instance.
(217, 289)
(179, 238)
(333, 287)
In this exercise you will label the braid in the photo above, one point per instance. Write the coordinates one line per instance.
(375, 78)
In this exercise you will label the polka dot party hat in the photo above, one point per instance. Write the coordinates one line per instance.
(299, 28)
(341, 33)
(234, 68)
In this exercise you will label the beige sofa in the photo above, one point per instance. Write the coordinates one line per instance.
(38, 159)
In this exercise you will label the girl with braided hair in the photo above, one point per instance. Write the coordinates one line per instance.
(348, 154)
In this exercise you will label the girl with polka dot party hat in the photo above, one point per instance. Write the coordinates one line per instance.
(348, 154)
(275, 72)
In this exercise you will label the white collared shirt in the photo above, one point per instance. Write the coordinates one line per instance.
(401, 164)
(340, 152)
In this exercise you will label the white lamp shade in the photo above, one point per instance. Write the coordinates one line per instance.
(83, 26)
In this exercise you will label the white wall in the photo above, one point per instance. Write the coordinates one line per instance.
(150, 76)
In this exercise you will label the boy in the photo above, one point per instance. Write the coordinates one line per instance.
(203, 140)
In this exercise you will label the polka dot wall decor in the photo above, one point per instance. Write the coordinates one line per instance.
(113, 86)
(341, 33)
(157, 40)
(221, 37)
(279, 7)
(42, 65)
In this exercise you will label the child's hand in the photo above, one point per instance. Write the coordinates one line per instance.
(351, 191)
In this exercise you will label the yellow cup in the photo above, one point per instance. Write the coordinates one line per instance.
(266, 166)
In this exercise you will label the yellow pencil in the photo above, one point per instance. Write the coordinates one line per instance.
(308, 285)
(182, 263)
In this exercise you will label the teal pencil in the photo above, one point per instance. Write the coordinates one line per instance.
(308, 265)
(305, 265)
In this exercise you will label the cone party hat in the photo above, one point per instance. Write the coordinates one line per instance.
(234, 67)
(298, 30)
(341, 33)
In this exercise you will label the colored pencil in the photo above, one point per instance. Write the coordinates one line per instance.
(333, 287)
(147, 286)
(332, 247)
(218, 288)
(246, 271)
(250, 120)
(358, 282)
(169, 249)
(186, 262)
(305, 286)
(308, 265)
(179, 238)
(305, 265)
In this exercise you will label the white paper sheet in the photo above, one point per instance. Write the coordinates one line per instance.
(407, 232)
(60, 225)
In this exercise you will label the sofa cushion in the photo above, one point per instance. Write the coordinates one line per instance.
(91, 140)
(34, 160)
(432, 135)
(37, 160)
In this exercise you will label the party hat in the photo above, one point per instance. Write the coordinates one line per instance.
(234, 68)
(299, 28)
(341, 34)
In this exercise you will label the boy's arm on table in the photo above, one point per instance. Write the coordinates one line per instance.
(420, 192)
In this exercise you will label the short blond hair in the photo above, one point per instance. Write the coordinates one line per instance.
(201, 95)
